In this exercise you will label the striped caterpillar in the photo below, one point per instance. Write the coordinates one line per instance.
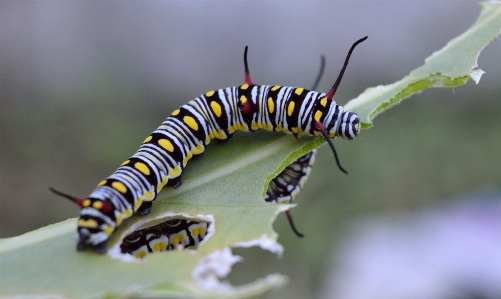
(217, 114)
(169, 235)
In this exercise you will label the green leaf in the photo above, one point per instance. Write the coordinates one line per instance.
(451, 66)
(225, 187)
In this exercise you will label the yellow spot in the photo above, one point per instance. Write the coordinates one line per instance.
(279, 127)
(216, 108)
(316, 133)
(254, 126)
(290, 109)
(299, 91)
(323, 102)
(166, 144)
(149, 195)
(163, 245)
(244, 86)
(97, 205)
(147, 139)
(243, 127)
(243, 99)
(176, 112)
(190, 121)
(318, 115)
(142, 167)
(174, 172)
(156, 247)
(91, 223)
(198, 149)
(295, 130)
(141, 254)
(109, 229)
(86, 203)
(207, 140)
(127, 213)
(269, 127)
(284, 201)
(220, 135)
(119, 218)
(120, 187)
(138, 203)
(275, 87)
(271, 105)
(197, 231)
(162, 183)
(103, 182)
(332, 134)
(177, 239)
(210, 93)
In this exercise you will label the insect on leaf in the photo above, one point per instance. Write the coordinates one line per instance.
(225, 188)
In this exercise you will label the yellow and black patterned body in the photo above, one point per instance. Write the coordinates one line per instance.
(217, 114)
(170, 235)
(287, 185)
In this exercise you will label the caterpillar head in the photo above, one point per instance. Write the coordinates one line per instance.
(339, 123)
(349, 127)
(93, 229)
(348, 124)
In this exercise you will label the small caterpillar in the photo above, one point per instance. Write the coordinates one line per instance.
(217, 114)
(169, 235)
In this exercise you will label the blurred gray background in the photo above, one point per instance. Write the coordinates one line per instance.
(83, 82)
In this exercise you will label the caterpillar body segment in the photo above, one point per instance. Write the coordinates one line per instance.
(169, 235)
(217, 114)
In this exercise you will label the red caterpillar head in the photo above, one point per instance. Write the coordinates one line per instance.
(94, 224)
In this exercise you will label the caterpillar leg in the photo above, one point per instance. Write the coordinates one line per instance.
(99, 248)
(175, 182)
(145, 208)
(80, 245)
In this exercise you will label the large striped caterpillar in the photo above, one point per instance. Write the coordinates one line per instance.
(217, 114)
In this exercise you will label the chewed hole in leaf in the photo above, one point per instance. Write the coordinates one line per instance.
(172, 234)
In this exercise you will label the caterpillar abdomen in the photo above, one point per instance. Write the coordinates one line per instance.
(216, 114)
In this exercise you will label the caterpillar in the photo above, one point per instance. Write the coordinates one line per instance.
(169, 235)
(217, 114)
(182, 233)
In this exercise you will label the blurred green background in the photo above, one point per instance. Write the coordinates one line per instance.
(82, 84)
